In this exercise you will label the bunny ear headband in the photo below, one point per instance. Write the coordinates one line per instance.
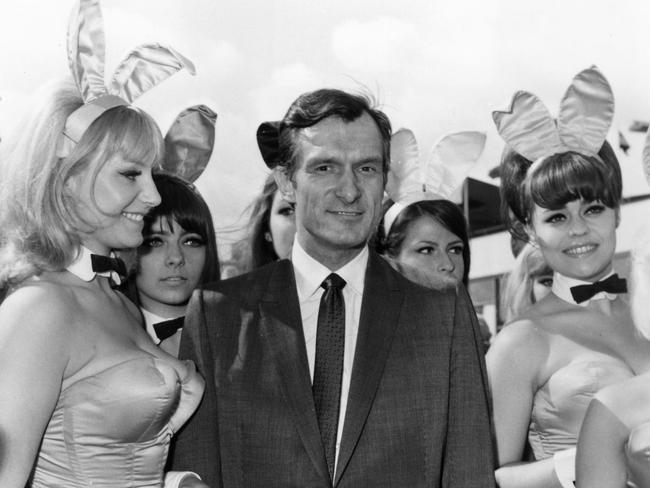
(142, 69)
(586, 113)
(189, 142)
(268, 141)
(411, 180)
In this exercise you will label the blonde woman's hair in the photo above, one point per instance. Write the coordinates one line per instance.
(39, 216)
(518, 292)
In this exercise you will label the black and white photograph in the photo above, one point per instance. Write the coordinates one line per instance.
(332, 244)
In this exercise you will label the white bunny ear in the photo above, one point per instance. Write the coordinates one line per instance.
(145, 67)
(527, 127)
(585, 116)
(141, 70)
(404, 162)
(412, 181)
(586, 112)
(451, 160)
(86, 49)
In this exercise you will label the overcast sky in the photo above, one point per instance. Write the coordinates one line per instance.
(436, 67)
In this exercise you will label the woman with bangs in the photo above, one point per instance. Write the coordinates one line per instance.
(547, 364)
(178, 254)
(87, 398)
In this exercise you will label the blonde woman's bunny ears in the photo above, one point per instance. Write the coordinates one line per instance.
(145, 67)
(142, 69)
(189, 142)
(87, 49)
(411, 180)
(585, 116)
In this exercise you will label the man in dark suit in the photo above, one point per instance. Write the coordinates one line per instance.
(331, 369)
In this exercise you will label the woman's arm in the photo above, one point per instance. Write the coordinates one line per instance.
(33, 358)
(618, 413)
(514, 363)
(600, 459)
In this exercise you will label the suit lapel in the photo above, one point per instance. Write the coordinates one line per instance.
(380, 308)
(281, 326)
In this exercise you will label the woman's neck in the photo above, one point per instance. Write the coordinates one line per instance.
(163, 310)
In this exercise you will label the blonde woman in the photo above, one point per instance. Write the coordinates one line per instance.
(87, 398)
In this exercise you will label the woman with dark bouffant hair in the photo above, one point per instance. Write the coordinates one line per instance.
(562, 186)
(428, 243)
(422, 233)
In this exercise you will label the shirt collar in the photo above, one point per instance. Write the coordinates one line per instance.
(82, 267)
(310, 273)
(562, 288)
(151, 318)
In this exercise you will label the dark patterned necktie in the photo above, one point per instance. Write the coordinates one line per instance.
(328, 365)
(613, 284)
(168, 328)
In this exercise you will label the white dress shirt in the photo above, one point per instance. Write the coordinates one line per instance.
(309, 276)
(149, 320)
(82, 267)
(561, 287)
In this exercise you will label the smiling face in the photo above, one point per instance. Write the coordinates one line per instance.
(170, 264)
(282, 226)
(337, 187)
(578, 240)
(432, 249)
(114, 202)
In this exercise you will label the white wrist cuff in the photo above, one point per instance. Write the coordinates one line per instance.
(173, 478)
(564, 464)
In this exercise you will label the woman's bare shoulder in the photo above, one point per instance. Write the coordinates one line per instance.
(39, 301)
(524, 344)
(526, 331)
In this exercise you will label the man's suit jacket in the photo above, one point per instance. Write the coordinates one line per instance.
(418, 408)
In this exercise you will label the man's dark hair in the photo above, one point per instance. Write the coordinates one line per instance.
(310, 108)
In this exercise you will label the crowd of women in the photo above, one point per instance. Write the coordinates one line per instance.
(92, 391)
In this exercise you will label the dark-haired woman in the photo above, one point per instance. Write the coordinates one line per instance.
(545, 367)
(178, 254)
(428, 242)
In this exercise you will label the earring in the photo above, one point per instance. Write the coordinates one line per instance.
(268, 237)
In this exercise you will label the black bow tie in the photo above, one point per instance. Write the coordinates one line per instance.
(613, 284)
(168, 328)
(102, 264)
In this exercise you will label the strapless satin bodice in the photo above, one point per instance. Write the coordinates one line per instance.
(113, 428)
(559, 406)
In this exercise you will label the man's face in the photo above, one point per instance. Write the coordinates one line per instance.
(337, 187)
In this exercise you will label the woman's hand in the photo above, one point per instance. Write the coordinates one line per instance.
(192, 482)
